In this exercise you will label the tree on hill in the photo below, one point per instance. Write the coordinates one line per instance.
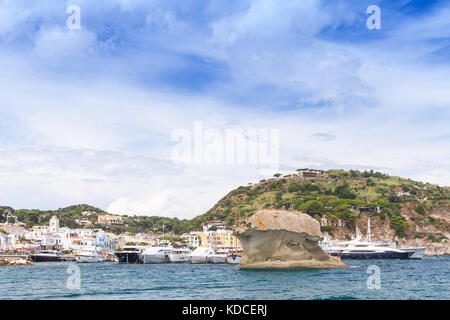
(312, 207)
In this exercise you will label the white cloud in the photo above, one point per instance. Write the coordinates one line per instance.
(80, 128)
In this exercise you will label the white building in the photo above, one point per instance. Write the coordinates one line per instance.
(54, 224)
(4, 241)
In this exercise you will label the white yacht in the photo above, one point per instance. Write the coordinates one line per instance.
(218, 256)
(369, 250)
(358, 249)
(156, 254)
(89, 255)
(179, 255)
(201, 255)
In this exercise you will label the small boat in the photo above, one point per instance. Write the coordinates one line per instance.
(179, 255)
(201, 255)
(156, 254)
(89, 255)
(234, 257)
(219, 256)
(130, 254)
(47, 256)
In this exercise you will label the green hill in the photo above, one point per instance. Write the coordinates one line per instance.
(393, 203)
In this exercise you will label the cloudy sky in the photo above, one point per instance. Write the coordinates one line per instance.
(90, 115)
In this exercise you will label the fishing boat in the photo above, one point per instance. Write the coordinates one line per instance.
(218, 256)
(156, 254)
(47, 256)
(179, 255)
(89, 255)
(201, 255)
(130, 254)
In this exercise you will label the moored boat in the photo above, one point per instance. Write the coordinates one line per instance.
(179, 255)
(368, 250)
(156, 255)
(130, 254)
(46, 256)
(201, 255)
(219, 256)
(89, 255)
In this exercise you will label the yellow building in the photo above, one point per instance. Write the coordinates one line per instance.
(223, 239)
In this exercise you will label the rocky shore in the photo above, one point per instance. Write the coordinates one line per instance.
(14, 262)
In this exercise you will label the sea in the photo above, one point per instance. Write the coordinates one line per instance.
(428, 278)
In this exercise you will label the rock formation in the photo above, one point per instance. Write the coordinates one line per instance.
(283, 239)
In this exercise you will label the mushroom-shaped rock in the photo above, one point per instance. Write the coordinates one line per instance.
(283, 239)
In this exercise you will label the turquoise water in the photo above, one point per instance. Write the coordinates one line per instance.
(428, 278)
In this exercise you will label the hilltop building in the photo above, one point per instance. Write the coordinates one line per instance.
(108, 219)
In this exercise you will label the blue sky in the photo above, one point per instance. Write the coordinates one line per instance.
(87, 115)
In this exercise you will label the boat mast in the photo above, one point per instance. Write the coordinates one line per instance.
(368, 230)
(235, 229)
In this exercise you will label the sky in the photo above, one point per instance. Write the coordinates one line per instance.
(106, 114)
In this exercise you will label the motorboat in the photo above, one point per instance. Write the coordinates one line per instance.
(89, 255)
(218, 256)
(46, 256)
(179, 255)
(156, 254)
(130, 254)
(201, 255)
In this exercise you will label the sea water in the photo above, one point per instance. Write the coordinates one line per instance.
(428, 278)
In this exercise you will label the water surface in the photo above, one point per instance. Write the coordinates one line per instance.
(428, 278)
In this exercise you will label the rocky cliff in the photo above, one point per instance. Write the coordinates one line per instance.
(283, 239)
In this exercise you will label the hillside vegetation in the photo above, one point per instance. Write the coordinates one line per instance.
(403, 207)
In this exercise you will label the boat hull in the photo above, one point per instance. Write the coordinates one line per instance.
(178, 258)
(154, 258)
(39, 258)
(128, 257)
(199, 259)
(88, 259)
(218, 259)
(374, 255)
